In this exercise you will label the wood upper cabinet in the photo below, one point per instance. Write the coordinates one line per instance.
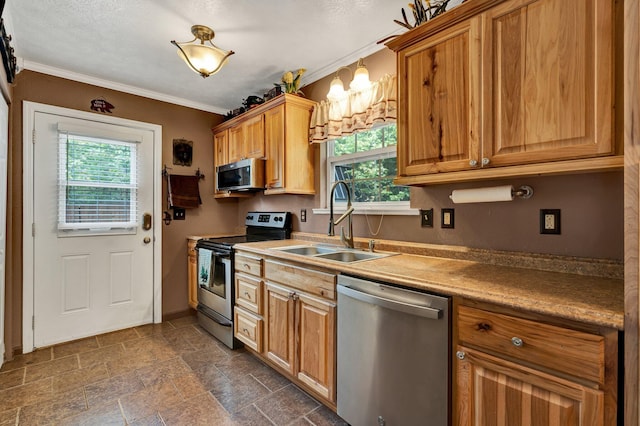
(221, 154)
(507, 83)
(548, 85)
(246, 139)
(512, 370)
(289, 164)
(192, 273)
(439, 123)
(277, 131)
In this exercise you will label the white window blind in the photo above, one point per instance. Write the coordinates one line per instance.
(98, 183)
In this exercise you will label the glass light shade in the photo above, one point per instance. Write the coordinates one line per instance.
(336, 90)
(360, 79)
(203, 59)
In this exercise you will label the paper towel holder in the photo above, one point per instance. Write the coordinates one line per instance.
(525, 192)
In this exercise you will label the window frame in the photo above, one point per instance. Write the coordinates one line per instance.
(327, 179)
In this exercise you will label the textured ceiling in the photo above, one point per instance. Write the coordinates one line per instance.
(125, 44)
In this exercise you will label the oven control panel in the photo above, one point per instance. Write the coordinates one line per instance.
(268, 219)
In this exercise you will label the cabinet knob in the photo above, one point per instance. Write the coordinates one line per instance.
(473, 163)
(460, 355)
(485, 161)
(517, 342)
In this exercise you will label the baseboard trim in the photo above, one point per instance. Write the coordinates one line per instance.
(180, 314)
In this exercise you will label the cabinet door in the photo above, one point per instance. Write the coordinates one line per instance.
(254, 137)
(192, 273)
(280, 342)
(221, 148)
(548, 80)
(439, 115)
(236, 143)
(274, 145)
(221, 154)
(492, 391)
(316, 324)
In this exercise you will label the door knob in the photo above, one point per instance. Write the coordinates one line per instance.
(146, 240)
(146, 221)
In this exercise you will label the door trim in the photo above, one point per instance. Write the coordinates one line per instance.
(29, 110)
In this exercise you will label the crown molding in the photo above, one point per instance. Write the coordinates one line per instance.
(83, 78)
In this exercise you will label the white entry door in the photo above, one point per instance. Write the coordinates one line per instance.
(93, 245)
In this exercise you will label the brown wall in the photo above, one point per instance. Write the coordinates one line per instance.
(591, 205)
(177, 123)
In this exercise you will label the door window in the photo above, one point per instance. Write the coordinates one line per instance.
(98, 184)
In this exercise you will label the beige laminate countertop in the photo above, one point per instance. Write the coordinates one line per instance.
(588, 299)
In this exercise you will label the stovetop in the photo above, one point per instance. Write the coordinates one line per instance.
(261, 226)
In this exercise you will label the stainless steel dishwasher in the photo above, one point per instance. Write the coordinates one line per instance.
(393, 355)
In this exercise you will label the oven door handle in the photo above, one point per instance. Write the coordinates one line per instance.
(214, 316)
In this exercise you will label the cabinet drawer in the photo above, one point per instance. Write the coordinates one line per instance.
(248, 329)
(249, 293)
(248, 264)
(561, 349)
(309, 280)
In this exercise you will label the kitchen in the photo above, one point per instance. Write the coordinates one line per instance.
(587, 201)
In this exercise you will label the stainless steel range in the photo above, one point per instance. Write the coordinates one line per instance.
(215, 271)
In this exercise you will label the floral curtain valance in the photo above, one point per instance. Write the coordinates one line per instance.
(356, 111)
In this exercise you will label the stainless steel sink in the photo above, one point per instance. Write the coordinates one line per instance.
(351, 256)
(335, 253)
(308, 250)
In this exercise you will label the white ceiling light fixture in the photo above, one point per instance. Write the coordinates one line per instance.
(202, 58)
(359, 82)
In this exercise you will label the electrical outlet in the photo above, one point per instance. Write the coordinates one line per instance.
(178, 213)
(427, 218)
(448, 218)
(550, 221)
(303, 215)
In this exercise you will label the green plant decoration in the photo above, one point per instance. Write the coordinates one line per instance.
(291, 83)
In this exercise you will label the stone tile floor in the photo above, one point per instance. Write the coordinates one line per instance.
(173, 373)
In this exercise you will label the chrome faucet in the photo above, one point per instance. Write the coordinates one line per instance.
(347, 240)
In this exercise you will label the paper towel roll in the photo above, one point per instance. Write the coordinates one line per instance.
(482, 195)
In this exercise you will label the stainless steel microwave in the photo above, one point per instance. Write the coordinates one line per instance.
(243, 175)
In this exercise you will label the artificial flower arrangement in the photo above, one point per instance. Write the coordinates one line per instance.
(291, 83)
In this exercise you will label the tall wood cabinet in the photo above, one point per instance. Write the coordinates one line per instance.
(290, 159)
(192, 272)
(507, 83)
(278, 132)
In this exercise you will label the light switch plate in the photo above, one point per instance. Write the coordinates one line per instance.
(448, 219)
(426, 220)
(550, 221)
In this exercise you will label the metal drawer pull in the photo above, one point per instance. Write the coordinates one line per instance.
(246, 331)
(517, 342)
(246, 293)
(460, 355)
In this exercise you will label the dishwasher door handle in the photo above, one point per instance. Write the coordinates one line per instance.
(423, 311)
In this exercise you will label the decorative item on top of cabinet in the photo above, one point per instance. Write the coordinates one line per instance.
(558, 375)
(507, 88)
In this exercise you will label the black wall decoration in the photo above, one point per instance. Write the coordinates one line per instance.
(182, 152)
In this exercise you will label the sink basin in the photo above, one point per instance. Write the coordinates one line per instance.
(308, 250)
(351, 256)
(336, 253)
